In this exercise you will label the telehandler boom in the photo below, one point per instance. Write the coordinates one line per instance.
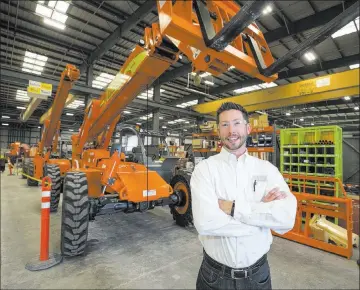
(44, 163)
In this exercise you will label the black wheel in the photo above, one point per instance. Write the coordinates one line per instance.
(182, 213)
(24, 168)
(30, 172)
(75, 214)
(53, 171)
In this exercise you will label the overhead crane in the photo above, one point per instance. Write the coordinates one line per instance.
(317, 89)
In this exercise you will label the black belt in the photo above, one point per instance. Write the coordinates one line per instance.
(235, 273)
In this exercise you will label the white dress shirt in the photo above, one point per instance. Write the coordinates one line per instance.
(241, 240)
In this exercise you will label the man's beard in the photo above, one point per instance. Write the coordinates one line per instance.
(236, 144)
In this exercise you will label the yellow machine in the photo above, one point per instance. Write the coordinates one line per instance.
(327, 231)
(130, 180)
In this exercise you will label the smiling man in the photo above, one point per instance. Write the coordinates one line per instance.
(237, 199)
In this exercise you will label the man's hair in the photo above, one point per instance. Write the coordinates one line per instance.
(232, 106)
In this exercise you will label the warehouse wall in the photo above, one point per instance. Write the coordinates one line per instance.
(351, 173)
(8, 136)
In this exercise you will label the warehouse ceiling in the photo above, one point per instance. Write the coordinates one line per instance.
(104, 33)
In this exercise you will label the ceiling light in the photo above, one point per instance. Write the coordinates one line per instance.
(161, 118)
(356, 108)
(53, 13)
(301, 119)
(138, 124)
(267, 10)
(71, 130)
(126, 112)
(288, 114)
(5, 124)
(310, 56)
(39, 127)
(69, 114)
(347, 98)
(187, 122)
(34, 63)
(312, 124)
(75, 104)
(43, 10)
(351, 27)
(353, 66)
(31, 71)
(52, 4)
(59, 17)
(164, 127)
(21, 108)
(54, 23)
(62, 6)
(203, 75)
(185, 130)
(107, 76)
(209, 83)
(268, 85)
(5, 117)
(99, 83)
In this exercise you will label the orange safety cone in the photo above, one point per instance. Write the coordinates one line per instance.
(45, 260)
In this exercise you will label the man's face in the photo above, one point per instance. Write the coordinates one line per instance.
(233, 130)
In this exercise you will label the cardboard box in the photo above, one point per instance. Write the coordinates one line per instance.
(210, 126)
(263, 121)
(197, 143)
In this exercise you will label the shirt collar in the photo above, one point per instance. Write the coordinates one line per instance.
(227, 156)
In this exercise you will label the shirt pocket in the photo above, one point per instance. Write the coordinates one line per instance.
(260, 189)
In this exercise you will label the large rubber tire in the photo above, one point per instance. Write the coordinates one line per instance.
(24, 168)
(30, 170)
(75, 214)
(53, 171)
(182, 214)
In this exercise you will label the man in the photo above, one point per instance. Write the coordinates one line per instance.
(237, 200)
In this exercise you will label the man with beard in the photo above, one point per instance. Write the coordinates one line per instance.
(237, 199)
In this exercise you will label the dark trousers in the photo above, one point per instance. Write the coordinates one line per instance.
(214, 275)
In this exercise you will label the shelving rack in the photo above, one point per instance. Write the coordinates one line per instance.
(211, 137)
(265, 147)
(313, 151)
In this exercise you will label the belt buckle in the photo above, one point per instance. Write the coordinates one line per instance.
(233, 272)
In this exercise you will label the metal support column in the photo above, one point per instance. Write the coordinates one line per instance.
(156, 114)
(89, 80)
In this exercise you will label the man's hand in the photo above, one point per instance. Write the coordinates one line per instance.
(274, 194)
(225, 205)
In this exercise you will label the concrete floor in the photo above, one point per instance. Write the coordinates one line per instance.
(140, 251)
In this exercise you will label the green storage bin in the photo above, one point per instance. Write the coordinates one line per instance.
(312, 151)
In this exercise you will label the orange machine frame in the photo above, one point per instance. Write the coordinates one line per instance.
(336, 207)
(180, 23)
(51, 128)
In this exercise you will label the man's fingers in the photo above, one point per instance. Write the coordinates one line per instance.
(274, 190)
